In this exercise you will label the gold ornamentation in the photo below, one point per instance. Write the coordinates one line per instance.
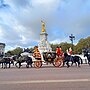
(43, 26)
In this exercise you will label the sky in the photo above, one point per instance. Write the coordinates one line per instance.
(20, 21)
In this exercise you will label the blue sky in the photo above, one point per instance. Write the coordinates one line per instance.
(20, 21)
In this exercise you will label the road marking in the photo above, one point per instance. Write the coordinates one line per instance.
(44, 81)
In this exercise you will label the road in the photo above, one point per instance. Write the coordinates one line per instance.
(45, 78)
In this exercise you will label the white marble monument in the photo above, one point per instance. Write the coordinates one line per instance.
(43, 45)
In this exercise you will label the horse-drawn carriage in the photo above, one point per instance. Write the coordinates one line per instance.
(38, 58)
(48, 57)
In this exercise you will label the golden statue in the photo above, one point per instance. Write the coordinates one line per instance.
(43, 26)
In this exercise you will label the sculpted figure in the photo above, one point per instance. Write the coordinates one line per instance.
(43, 26)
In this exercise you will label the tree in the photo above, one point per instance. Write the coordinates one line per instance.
(16, 51)
(82, 44)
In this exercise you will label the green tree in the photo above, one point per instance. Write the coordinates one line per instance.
(82, 44)
(16, 51)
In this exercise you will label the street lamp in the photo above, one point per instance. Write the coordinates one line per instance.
(72, 38)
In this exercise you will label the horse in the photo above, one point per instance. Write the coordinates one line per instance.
(66, 60)
(88, 57)
(22, 59)
(4, 61)
(73, 59)
(1, 61)
(77, 60)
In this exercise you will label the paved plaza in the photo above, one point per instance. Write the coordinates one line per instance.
(45, 78)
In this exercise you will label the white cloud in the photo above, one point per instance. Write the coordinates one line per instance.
(58, 41)
(20, 20)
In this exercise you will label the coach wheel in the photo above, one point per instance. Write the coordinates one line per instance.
(37, 64)
(57, 62)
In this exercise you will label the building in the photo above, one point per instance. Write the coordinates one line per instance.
(2, 49)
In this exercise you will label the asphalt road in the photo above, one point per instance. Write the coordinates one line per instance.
(46, 78)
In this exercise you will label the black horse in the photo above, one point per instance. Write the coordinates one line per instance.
(77, 60)
(5, 61)
(88, 57)
(1, 62)
(67, 59)
(86, 52)
(22, 59)
(73, 59)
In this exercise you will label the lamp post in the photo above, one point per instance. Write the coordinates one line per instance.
(72, 37)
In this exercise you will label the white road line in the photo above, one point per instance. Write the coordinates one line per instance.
(44, 81)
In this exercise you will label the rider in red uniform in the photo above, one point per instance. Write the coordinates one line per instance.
(37, 54)
(59, 51)
(70, 51)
